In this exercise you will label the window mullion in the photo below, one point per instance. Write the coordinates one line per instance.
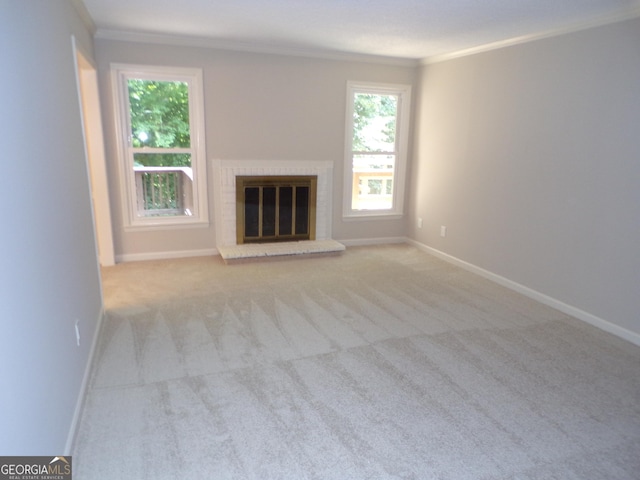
(170, 150)
(357, 152)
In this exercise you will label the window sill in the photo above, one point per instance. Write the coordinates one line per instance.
(174, 225)
(371, 215)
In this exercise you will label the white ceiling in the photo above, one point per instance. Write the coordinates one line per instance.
(408, 29)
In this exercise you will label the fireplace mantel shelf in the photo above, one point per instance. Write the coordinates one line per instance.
(235, 253)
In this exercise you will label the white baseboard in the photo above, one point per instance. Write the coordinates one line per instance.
(587, 317)
(141, 257)
(357, 242)
(77, 413)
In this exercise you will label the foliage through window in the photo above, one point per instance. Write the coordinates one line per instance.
(377, 124)
(162, 143)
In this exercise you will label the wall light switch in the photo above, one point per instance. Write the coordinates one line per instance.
(419, 222)
(443, 231)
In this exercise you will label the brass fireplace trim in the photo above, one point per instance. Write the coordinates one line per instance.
(242, 182)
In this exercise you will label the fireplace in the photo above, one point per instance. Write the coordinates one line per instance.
(275, 208)
(225, 212)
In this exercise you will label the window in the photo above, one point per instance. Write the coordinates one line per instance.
(376, 151)
(161, 133)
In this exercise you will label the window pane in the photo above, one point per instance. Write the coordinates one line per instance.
(373, 182)
(164, 184)
(373, 162)
(374, 122)
(159, 193)
(159, 113)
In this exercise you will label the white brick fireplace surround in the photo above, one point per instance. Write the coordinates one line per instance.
(225, 172)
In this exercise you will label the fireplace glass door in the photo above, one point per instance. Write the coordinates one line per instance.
(273, 209)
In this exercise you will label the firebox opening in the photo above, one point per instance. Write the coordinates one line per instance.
(275, 208)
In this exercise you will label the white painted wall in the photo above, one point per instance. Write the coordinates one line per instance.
(48, 271)
(530, 155)
(257, 107)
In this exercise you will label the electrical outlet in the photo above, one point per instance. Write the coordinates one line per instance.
(443, 231)
(419, 222)
(78, 332)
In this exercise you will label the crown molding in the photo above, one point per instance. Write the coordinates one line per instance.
(249, 47)
(84, 14)
(619, 16)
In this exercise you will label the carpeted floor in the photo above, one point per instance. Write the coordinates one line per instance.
(381, 363)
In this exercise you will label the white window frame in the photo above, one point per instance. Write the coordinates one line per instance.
(401, 149)
(121, 73)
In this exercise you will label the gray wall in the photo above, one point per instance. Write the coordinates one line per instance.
(48, 273)
(530, 155)
(257, 107)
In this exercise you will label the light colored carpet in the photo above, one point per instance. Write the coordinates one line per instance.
(382, 363)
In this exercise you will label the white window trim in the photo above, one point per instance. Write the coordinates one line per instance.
(402, 146)
(193, 76)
